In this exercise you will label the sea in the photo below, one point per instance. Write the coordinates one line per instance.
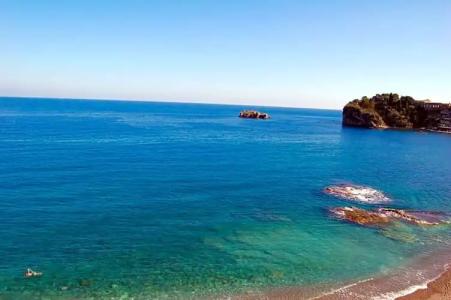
(154, 200)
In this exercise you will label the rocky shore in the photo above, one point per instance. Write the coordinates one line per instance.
(393, 111)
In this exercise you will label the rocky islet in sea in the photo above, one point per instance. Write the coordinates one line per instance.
(253, 114)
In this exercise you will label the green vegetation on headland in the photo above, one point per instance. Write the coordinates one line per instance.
(393, 111)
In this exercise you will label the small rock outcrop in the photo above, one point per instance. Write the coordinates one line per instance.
(384, 216)
(393, 111)
(415, 217)
(357, 193)
(360, 216)
(252, 114)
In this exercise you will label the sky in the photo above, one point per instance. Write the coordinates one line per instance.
(298, 53)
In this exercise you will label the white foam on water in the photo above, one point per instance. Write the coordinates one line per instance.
(384, 296)
(358, 193)
(404, 292)
(341, 289)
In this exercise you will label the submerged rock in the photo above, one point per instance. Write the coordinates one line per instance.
(253, 114)
(84, 282)
(399, 232)
(270, 217)
(357, 193)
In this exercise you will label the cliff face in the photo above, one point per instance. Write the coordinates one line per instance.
(354, 115)
(390, 110)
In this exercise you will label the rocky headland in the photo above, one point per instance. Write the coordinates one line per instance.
(393, 111)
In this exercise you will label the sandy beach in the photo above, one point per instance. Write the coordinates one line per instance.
(439, 289)
(426, 278)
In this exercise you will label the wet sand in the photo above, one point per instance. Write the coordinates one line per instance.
(426, 278)
(439, 289)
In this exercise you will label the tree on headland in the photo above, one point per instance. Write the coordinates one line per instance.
(389, 110)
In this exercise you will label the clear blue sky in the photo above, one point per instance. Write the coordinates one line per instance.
(316, 53)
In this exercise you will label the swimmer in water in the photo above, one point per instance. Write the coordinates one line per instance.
(30, 273)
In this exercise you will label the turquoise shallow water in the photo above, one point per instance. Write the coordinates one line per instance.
(165, 200)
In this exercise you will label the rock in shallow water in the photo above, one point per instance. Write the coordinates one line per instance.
(399, 232)
(384, 216)
(415, 217)
(360, 216)
(357, 193)
(84, 282)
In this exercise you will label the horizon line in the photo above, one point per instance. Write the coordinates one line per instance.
(163, 101)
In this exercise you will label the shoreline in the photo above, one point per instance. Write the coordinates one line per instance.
(437, 131)
(436, 289)
(427, 277)
(404, 129)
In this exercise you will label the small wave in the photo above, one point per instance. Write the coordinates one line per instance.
(406, 291)
(341, 289)
(396, 284)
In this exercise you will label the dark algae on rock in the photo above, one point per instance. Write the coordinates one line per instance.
(393, 111)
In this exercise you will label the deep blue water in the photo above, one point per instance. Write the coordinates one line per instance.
(134, 199)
